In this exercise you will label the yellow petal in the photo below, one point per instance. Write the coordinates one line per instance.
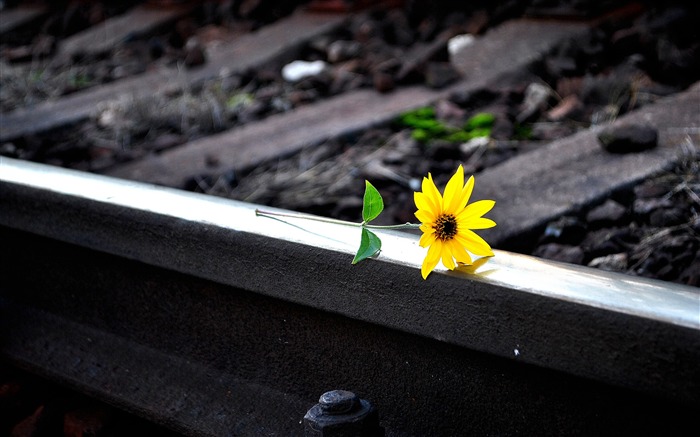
(425, 216)
(431, 259)
(459, 253)
(473, 243)
(480, 223)
(476, 209)
(427, 227)
(446, 255)
(423, 202)
(431, 191)
(466, 193)
(453, 191)
(427, 239)
(472, 268)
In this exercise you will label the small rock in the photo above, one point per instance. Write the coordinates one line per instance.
(344, 81)
(616, 262)
(569, 107)
(280, 104)
(364, 28)
(297, 70)
(427, 28)
(459, 42)
(345, 77)
(566, 230)
(560, 252)
(568, 86)
(194, 53)
(645, 207)
(268, 92)
(561, 66)
(383, 82)
(600, 89)
(606, 242)
(210, 35)
(8, 149)
(397, 29)
(472, 146)
(17, 54)
(667, 217)
(628, 138)
(298, 97)
(650, 189)
(535, 101)
(315, 83)
(608, 214)
(341, 50)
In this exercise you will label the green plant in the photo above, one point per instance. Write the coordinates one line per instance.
(425, 126)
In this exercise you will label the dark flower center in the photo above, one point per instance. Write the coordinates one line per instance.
(445, 227)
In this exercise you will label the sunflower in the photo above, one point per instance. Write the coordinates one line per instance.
(447, 222)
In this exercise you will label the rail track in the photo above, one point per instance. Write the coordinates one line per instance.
(190, 311)
(194, 312)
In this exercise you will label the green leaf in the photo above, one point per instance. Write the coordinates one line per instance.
(410, 117)
(372, 204)
(420, 135)
(480, 120)
(459, 137)
(481, 132)
(369, 245)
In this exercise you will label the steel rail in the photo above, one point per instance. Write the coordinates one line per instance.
(613, 329)
(661, 301)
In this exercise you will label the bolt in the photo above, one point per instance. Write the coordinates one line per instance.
(339, 402)
(341, 413)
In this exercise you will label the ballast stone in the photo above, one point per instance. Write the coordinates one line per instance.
(628, 138)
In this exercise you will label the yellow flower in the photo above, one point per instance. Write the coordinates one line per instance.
(447, 221)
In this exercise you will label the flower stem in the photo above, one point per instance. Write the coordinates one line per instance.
(261, 213)
(406, 225)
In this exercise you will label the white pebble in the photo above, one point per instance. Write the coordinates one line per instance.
(457, 43)
(297, 70)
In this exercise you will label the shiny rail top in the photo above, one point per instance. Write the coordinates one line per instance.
(661, 301)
